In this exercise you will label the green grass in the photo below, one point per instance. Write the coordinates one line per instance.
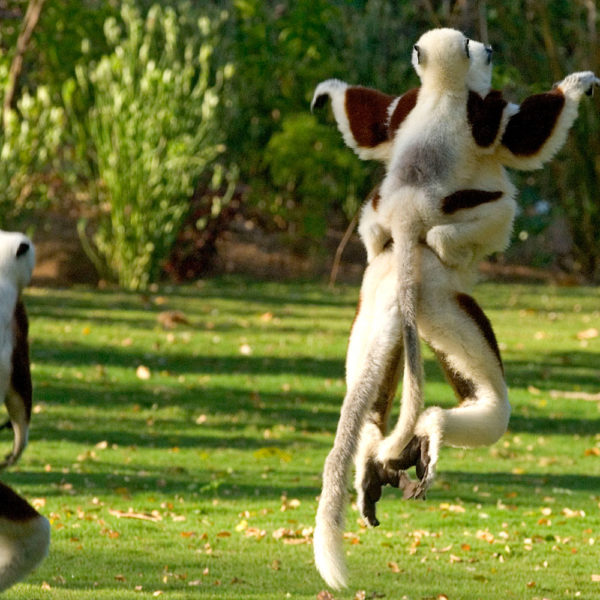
(221, 449)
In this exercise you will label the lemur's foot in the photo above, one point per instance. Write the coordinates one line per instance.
(9, 460)
(377, 474)
(415, 454)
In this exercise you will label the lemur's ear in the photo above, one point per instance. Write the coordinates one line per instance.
(363, 116)
(418, 53)
(23, 249)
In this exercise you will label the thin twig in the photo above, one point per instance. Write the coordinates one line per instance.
(340, 249)
(32, 16)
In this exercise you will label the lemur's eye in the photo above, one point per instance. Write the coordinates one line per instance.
(489, 51)
(418, 51)
(467, 48)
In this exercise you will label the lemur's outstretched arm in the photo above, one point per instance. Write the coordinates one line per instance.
(539, 129)
(366, 118)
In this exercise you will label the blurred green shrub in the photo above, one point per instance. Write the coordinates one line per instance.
(29, 144)
(150, 130)
(314, 175)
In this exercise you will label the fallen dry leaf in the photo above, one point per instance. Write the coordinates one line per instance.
(596, 578)
(169, 319)
(588, 334)
(143, 373)
(394, 568)
(575, 395)
(325, 595)
(275, 565)
(131, 514)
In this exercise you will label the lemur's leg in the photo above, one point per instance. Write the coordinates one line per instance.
(454, 325)
(377, 291)
(18, 398)
(374, 292)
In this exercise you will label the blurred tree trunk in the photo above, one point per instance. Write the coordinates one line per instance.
(32, 16)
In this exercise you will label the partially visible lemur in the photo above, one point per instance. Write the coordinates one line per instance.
(24, 537)
(17, 258)
(427, 162)
(448, 317)
(24, 533)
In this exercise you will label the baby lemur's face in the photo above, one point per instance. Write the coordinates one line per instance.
(17, 258)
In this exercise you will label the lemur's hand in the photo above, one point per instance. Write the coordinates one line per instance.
(452, 255)
(579, 83)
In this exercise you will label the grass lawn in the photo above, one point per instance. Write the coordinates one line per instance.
(185, 462)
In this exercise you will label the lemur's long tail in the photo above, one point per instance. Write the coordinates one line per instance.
(406, 243)
(328, 535)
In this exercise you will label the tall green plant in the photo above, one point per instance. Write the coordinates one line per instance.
(153, 131)
(28, 145)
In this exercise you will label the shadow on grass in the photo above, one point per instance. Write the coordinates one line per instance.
(526, 482)
(103, 479)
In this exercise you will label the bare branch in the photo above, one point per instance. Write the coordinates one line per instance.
(34, 9)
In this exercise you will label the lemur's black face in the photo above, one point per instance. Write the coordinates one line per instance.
(489, 51)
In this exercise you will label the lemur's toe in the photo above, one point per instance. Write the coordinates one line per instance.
(412, 455)
(424, 459)
(410, 488)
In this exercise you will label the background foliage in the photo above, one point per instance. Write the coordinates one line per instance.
(292, 170)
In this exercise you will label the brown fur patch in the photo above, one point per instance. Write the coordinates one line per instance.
(527, 131)
(484, 116)
(467, 199)
(463, 388)
(403, 107)
(374, 197)
(474, 311)
(21, 374)
(387, 389)
(13, 507)
(366, 110)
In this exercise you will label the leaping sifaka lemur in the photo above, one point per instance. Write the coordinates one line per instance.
(480, 203)
(24, 533)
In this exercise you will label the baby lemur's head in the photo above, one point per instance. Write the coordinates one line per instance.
(17, 259)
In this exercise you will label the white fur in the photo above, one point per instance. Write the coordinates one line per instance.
(573, 87)
(15, 274)
(336, 90)
(23, 546)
